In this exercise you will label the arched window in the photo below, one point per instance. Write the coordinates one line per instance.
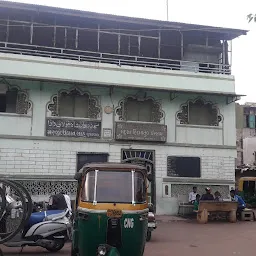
(8, 101)
(74, 103)
(146, 110)
(13, 99)
(199, 112)
(139, 110)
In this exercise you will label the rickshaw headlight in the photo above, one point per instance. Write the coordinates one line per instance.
(102, 250)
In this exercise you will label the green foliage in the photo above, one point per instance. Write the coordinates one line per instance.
(251, 17)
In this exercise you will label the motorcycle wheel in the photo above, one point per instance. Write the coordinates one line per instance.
(6, 236)
(148, 238)
(29, 203)
(57, 246)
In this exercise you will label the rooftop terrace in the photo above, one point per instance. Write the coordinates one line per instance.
(92, 37)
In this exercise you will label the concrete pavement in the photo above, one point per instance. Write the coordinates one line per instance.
(212, 239)
(186, 238)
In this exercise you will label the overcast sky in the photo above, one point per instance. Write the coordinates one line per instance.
(228, 13)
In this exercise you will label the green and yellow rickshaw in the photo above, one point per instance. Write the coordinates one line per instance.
(247, 189)
(111, 214)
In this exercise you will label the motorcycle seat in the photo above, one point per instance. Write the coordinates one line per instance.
(56, 216)
(38, 217)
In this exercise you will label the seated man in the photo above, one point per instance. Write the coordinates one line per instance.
(218, 196)
(192, 195)
(239, 200)
(208, 195)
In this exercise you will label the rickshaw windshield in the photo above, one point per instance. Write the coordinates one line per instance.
(114, 187)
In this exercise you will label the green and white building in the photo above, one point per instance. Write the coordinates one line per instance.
(79, 87)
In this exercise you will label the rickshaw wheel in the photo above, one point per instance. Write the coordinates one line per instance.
(148, 238)
(73, 251)
(58, 245)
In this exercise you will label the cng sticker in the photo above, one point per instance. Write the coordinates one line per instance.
(128, 223)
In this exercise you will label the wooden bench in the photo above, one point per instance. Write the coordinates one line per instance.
(207, 207)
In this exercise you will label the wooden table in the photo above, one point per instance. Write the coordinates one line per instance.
(207, 207)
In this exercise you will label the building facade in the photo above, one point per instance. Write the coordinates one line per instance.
(246, 134)
(79, 87)
(246, 140)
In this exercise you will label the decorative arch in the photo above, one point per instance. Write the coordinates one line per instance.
(23, 104)
(52, 105)
(94, 109)
(184, 112)
(157, 113)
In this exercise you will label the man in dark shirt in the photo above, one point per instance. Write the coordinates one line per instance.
(207, 196)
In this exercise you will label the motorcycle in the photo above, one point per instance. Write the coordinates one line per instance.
(152, 225)
(47, 229)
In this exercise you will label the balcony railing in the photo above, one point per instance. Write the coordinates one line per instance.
(116, 59)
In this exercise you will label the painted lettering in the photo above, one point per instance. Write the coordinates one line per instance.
(128, 223)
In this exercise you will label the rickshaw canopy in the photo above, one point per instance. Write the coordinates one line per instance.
(108, 166)
(242, 180)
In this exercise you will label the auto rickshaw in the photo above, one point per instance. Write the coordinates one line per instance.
(111, 215)
(247, 189)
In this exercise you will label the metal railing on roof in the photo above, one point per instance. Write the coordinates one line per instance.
(116, 59)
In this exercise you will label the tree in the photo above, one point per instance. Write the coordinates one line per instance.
(251, 17)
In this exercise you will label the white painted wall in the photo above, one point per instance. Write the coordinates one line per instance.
(37, 155)
(43, 157)
(249, 147)
(190, 134)
(40, 94)
(15, 124)
(109, 74)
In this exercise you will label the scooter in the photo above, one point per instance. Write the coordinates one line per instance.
(152, 225)
(47, 229)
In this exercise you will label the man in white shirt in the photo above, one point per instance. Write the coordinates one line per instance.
(192, 195)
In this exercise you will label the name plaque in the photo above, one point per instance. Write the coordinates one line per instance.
(141, 132)
(63, 127)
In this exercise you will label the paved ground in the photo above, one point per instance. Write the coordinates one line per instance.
(187, 238)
